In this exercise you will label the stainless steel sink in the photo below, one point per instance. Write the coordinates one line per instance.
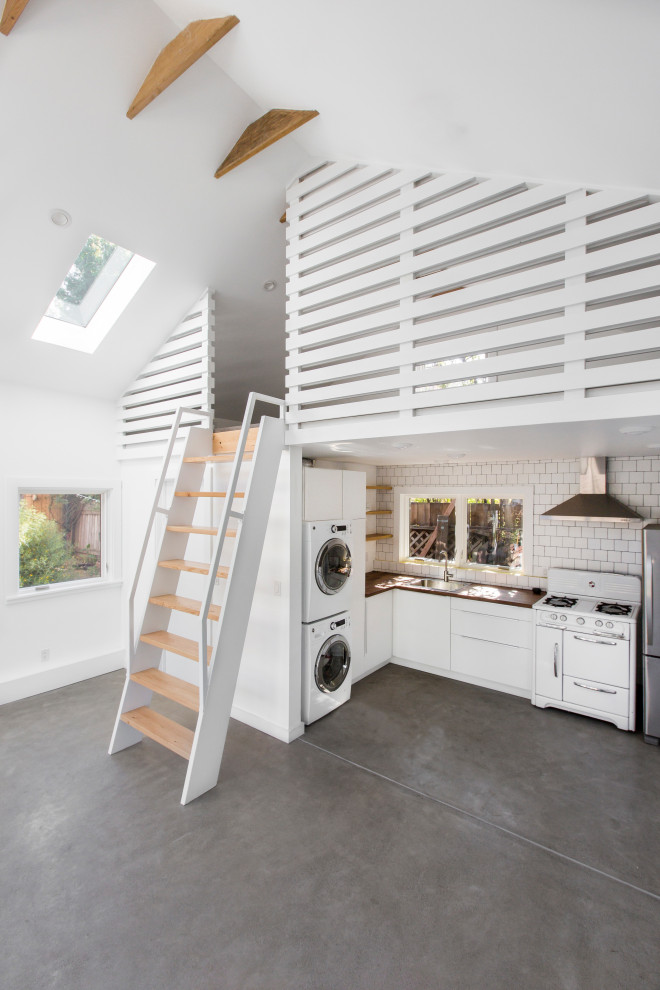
(439, 585)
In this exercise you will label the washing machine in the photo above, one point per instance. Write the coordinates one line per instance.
(326, 572)
(326, 659)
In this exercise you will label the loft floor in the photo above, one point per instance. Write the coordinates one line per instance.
(336, 862)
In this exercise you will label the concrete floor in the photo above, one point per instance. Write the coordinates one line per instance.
(427, 835)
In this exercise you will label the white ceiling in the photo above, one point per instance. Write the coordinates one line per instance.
(68, 73)
(547, 441)
(560, 90)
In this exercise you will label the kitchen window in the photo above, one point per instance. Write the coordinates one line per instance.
(473, 527)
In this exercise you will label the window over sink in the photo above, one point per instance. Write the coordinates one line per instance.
(471, 527)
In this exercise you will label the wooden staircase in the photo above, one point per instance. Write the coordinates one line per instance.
(253, 450)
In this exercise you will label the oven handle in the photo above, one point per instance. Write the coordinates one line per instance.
(601, 642)
(556, 654)
(590, 687)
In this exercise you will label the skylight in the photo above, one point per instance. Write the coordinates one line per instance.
(97, 288)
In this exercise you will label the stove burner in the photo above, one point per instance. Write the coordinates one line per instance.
(559, 601)
(613, 608)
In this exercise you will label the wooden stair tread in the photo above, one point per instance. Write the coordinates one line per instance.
(169, 687)
(379, 536)
(180, 645)
(226, 441)
(161, 729)
(180, 604)
(208, 494)
(194, 566)
(379, 512)
(200, 530)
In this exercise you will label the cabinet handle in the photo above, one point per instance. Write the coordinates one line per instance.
(590, 687)
(555, 655)
(601, 642)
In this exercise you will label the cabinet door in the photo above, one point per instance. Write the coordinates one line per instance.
(378, 630)
(322, 494)
(421, 628)
(548, 663)
(354, 494)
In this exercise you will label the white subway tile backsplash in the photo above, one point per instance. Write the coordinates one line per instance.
(557, 543)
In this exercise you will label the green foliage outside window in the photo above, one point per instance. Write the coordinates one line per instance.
(44, 553)
(85, 269)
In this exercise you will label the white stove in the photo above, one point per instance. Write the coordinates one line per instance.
(585, 644)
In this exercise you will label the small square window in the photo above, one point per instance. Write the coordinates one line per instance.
(60, 537)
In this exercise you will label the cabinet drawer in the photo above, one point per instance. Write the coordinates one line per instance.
(493, 628)
(605, 661)
(506, 665)
(600, 697)
(517, 613)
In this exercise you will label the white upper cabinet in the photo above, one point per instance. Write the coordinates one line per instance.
(322, 494)
(331, 494)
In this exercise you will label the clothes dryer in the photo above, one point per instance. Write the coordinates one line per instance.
(327, 672)
(327, 583)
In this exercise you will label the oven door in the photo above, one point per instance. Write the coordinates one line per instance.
(592, 657)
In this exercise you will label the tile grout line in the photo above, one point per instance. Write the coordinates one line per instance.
(482, 821)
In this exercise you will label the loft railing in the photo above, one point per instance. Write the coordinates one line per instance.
(413, 297)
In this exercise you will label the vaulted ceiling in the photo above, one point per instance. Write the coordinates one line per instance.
(558, 90)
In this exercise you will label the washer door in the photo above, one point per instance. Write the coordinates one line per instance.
(333, 566)
(332, 664)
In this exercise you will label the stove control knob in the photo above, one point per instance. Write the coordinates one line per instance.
(553, 616)
(562, 618)
(609, 625)
(599, 622)
(580, 620)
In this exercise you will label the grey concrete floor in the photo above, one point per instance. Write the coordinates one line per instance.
(427, 835)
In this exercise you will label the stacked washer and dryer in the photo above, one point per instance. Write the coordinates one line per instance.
(326, 642)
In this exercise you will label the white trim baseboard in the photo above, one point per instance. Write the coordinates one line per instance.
(265, 725)
(57, 677)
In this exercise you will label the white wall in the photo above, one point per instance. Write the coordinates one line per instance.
(55, 439)
(598, 546)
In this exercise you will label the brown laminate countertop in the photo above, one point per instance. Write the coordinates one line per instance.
(379, 581)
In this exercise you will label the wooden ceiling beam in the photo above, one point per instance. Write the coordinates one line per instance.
(182, 52)
(262, 133)
(11, 13)
(283, 217)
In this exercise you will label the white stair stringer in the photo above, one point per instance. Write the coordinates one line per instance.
(142, 656)
(213, 722)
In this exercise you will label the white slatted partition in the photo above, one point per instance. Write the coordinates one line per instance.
(414, 297)
(182, 373)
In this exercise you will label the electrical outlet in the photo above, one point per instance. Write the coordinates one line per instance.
(277, 589)
(45, 656)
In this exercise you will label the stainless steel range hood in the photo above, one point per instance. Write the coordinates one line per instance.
(593, 504)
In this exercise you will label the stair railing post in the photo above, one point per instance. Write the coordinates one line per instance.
(155, 509)
(227, 513)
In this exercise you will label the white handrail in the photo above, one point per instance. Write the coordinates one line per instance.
(155, 509)
(227, 512)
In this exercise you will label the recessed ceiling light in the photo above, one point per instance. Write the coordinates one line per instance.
(402, 445)
(270, 285)
(653, 446)
(634, 431)
(60, 218)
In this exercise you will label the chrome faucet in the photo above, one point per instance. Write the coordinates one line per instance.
(443, 553)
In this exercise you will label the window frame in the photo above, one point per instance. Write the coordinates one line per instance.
(54, 331)
(110, 536)
(462, 493)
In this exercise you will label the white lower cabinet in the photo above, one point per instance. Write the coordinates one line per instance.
(421, 631)
(481, 642)
(492, 644)
(378, 634)
(548, 671)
